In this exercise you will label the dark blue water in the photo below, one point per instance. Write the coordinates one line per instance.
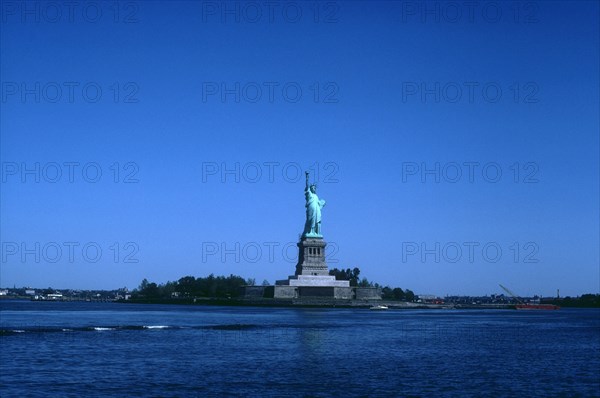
(124, 350)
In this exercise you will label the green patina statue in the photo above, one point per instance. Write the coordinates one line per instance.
(312, 228)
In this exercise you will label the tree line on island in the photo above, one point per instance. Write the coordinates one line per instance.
(189, 286)
(224, 287)
(387, 293)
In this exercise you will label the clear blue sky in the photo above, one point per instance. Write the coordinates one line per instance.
(367, 118)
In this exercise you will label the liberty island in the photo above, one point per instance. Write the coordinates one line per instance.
(311, 280)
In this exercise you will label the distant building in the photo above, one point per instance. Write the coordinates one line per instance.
(30, 292)
(429, 298)
(3, 292)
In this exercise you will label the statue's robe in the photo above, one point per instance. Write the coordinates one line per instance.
(313, 213)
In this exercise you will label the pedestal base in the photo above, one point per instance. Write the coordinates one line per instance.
(322, 286)
(322, 292)
(313, 280)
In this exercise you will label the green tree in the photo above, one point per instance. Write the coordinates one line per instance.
(151, 291)
(399, 294)
(354, 276)
(346, 275)
(168, 289)
(186, 286)
(48, 291)
(365, 283)
(387, 293)
(144, 285)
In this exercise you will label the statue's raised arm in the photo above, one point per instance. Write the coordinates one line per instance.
(306, 186)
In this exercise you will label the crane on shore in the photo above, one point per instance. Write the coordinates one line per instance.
(527, 306)
(507, 290)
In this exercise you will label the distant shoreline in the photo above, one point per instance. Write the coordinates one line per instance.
(309, 303)
(319, 303)
(316, 303)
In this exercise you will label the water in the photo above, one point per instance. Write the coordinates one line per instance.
(128, 350)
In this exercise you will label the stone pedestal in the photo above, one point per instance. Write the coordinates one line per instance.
(312, 277)
(311, 257)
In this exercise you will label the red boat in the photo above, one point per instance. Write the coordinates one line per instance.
(537, 307)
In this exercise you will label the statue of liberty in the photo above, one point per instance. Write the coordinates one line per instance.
(312, 228)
